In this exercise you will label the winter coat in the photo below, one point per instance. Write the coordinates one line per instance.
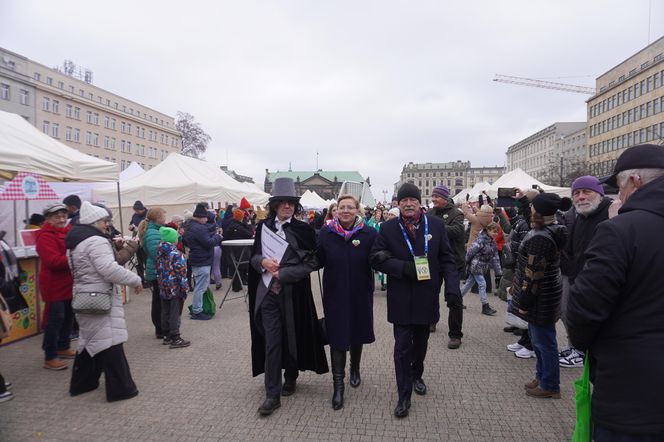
(55, 279)
(303, 336)
(348, 285)
(537, 287)
(616, 310)
(581, 232)
(136, 218)
(453, 219)
(171, 272)
(201, 240)
(94, 268)
(482, 254)
(478, 221)
(150, 242)
(410, 301)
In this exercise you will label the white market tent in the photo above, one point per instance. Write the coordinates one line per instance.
(130, 172)
(311, 200)
(179, 182)
(520, 179)
(474, 192)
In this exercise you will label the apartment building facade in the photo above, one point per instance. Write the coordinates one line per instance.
(90, 119)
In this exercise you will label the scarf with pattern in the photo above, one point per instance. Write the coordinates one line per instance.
(412, 224)
(336, 227)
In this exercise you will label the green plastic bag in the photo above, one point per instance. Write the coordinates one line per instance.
(583, 428)
(209, 306)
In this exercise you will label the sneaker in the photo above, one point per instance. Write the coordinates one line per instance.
(566, 352)
(55, 364)
(509, 329)
(167, 340)
(514, 347)
(539, 392)
(524, 353)
(201, 316)
(70, 353)
(6, 396)
(487, 310)
(217, 286)
(179, 343)
(572, 360)
(8, 385)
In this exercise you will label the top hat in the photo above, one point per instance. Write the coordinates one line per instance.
(283, 189)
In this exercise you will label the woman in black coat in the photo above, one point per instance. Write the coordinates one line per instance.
(348, 285)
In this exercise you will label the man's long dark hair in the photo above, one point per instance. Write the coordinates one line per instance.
(272, 208)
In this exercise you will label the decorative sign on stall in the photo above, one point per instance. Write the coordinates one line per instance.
(28, 186)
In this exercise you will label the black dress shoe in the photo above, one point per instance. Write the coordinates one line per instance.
(269, 405)
(420, 387)
(288, 388)
(402, 408)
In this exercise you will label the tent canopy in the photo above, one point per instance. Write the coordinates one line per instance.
(311, 200)
(520, 179)
(181, 180)
(23, 148)
(130, 172)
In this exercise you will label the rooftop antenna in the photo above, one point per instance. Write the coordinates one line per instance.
(290, 167)
(317, 161)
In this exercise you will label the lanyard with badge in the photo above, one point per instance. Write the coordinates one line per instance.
(421, 262)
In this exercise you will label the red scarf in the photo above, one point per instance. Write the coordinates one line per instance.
(412, 224)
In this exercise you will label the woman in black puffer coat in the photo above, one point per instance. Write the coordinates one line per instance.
(537, 289)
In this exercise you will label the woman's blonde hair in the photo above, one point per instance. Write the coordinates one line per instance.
(349, 197)
(153, 214)
(492, 227)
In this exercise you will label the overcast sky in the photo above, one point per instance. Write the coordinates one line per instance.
(370, 85)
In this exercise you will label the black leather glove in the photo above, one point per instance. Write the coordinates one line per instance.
(409, 270)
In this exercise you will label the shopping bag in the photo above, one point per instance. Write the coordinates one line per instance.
(583, 428)
(209, 306)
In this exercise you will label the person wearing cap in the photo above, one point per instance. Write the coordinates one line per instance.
(140, 212)
(101, 336)
(55, 286)
(73, 204)
(537, 289)
(590, 207)
(392, 213)
(444, 208)
(285, 332)
(615, 306)
(201, 237)
(415, 252)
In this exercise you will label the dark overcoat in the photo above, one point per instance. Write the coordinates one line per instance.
(348, 286)
(301, 326)
(410, 301)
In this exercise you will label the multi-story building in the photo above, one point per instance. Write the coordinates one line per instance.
(325, 183)
(236, 176)
(542, 154)
(17, 94)
(628, 108)
(88, 118)
(456, 175)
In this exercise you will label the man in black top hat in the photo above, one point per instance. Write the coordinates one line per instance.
(414, 251)
(285, 332)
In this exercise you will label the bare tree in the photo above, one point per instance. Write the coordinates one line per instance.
(194, 138)
(572, 168)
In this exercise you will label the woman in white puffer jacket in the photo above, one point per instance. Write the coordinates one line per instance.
(93, 264)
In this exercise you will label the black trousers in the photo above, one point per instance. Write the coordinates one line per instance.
(171, 310)
(276, 345)
(455, 316)
(410, 350)
(525, 340)
(3, 389)
(155, 311)
(113, 363)
(141, 257)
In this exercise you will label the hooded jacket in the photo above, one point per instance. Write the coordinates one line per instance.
(482, 254)
(55, 280)
(616, 310)
(171, 272)
(453, 219)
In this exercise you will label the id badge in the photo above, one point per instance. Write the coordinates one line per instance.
(422, 268)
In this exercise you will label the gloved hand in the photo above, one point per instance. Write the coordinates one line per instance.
(498, 278)
(409, 270)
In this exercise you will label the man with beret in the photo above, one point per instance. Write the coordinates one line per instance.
(285, 332)
(615, 306)
(591, 207)
(444, 208)
(414, 251)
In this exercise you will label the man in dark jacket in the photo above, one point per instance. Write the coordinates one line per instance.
(591, 207)
(443, 208)
(285, 332)
(73, 204)
(140, 212)
(414, 251)
(615, 308)
(201, 238)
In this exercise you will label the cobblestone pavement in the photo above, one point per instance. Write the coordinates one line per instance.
(206, 392)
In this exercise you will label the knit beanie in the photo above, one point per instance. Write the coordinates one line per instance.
(587, 182)
(408, 190)
(441, 190)
(244, 204)
(90, 214)
(200, 211)
(168, 235)
(394, 211)
(547, 204)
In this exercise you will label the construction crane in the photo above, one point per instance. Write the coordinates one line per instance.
(544, 84)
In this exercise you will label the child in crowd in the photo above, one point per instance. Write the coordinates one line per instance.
(483, 253)
(173, 286)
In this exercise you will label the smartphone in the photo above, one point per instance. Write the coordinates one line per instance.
(506, 192)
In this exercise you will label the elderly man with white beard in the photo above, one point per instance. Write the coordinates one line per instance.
(591, 207)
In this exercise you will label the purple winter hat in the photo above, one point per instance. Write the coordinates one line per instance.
(441, 190)
(588, 182)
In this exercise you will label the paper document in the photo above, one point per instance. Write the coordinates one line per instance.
(272, 246)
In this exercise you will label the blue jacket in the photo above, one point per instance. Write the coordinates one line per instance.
(201, 240)
(483, 253)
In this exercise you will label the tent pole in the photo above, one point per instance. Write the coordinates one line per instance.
(15, 227)
(120, 209)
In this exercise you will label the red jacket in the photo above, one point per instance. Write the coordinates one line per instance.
(55, 279)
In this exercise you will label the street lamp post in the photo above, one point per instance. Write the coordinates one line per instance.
(562, 140)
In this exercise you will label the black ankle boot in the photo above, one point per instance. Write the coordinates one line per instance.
(338, 359)
(355, 357)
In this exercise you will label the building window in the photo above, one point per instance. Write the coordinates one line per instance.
(107, 142)
(68, 133)
(68, 110)
(77, 113)
(107, 122)
(95, 139)
(113, 123)
(129, 128)
(77, 135)
(4, 91)
(46, 104)
(49, 81)
(88, 117)
(88, 138)
(37, 76)
(122, 126)
(128, 146)
(91, 95)
(55, 130)
(112, 143)
(81, 92)
(95, 119)
(56, 107)
(45, 127)
(122, 165)
(61, 84)
(122, 145)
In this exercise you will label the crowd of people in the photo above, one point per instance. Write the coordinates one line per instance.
(591, 261)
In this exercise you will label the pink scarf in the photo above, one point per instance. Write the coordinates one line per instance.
(336, 227)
